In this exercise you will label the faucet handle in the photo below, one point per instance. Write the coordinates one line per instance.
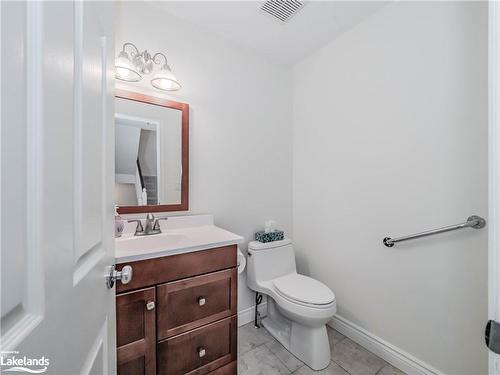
(139, 227)
(157, 223)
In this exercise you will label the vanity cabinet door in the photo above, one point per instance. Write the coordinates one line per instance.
(193, 302)
(201, 350)
(136, 332)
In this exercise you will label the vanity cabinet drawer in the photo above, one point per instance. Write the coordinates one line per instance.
(136, 332)
(175, 267)
(193, 302)
(199, 351)
(229, 369)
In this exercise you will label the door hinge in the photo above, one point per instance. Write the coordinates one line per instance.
(492, 336)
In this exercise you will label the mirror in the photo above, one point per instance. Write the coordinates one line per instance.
(151, 153)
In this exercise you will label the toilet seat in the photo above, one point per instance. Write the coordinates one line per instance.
(304, 290)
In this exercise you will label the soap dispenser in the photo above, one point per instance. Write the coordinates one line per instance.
(119, 223)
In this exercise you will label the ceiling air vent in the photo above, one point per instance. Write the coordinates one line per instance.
(283, 10)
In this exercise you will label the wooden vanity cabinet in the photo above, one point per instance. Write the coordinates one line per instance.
(200, 350)
(178, 315)
(204, 299)
(136, 332)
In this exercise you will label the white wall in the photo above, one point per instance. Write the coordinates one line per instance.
(125, 194)
(390, 137)
(240, 124)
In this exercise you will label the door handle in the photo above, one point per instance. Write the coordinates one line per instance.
(125, 276)
(492, 336)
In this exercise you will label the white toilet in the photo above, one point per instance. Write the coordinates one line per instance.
(298, 307)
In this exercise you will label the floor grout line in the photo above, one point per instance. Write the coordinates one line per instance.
(274, 354)
(248, 351)
(342, 367)
(331, 354)
(291, 371)
(337, 363)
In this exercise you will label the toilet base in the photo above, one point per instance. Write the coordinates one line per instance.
(309, 344)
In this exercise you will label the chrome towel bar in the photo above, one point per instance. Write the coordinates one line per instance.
(475, 222)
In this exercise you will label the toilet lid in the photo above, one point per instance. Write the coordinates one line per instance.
(304, 289)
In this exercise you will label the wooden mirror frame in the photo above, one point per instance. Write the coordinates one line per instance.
(184, 205)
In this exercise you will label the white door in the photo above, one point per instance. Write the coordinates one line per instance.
(56, 180)
(494, 176)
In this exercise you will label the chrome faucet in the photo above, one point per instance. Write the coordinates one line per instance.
(150, 221)
(152, 225)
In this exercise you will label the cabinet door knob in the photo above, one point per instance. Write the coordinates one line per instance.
(201, 301)
(202, 352)
(150, 305)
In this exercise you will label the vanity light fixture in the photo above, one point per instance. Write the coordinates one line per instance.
(164, 79)
(132, 69)
(125, 69)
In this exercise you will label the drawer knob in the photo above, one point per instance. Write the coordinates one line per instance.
(202, 352)
(201, 301)
(150, 305)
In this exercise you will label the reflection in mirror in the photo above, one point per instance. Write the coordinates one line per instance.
(148, 154)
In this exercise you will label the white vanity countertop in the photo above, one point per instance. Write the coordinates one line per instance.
(180, 234)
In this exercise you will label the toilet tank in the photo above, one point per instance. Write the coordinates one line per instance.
(267, 261)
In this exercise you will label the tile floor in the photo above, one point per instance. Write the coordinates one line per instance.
(260, 354)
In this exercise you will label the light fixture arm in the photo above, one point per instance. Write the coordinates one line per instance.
(133, 46)
(156, 61)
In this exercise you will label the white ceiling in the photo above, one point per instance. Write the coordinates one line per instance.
(316, 24)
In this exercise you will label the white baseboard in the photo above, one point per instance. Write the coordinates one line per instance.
(246, 316)
(390, 353)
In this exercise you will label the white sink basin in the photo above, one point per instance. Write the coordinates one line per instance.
(182, 234)
(154, 242)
